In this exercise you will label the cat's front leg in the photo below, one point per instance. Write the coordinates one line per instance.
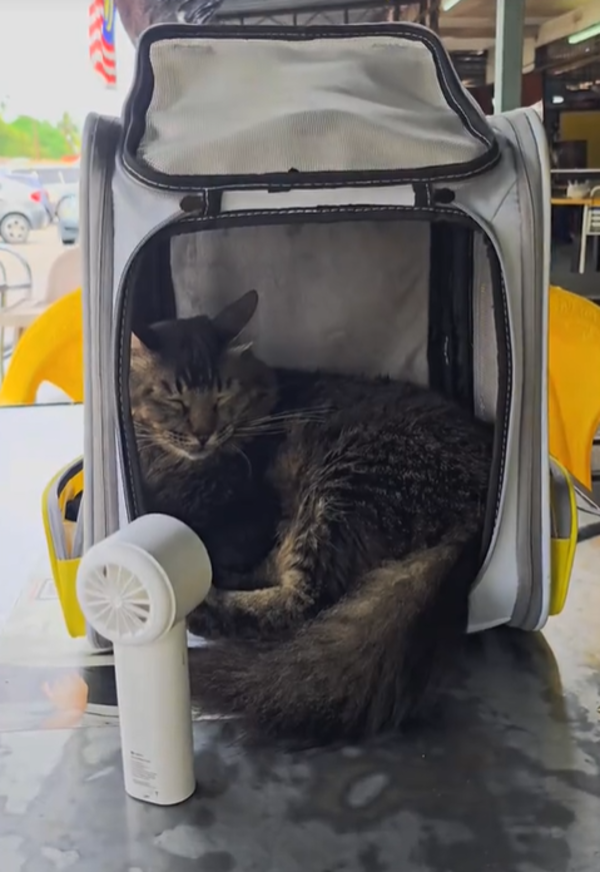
(214, 618)
(269, 613)
(287, 598)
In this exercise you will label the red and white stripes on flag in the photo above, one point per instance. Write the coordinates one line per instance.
(102, 40)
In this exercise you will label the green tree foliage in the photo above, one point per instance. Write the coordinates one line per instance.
(70, 131)
(31, 138)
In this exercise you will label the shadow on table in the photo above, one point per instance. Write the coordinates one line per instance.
(503, 778)
(487, 783)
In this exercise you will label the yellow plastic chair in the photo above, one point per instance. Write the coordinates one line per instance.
(50, 350)
(574, 381)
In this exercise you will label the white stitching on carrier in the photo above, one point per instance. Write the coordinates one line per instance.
(298, 211)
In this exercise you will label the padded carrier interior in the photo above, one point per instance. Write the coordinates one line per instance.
(403, 296)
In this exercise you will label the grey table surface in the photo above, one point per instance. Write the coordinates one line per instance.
(505, 778)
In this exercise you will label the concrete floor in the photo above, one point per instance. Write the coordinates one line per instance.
(505, 779)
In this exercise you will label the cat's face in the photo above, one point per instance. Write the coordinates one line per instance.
(195, 389)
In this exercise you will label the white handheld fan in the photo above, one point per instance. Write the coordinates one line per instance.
(136, 588)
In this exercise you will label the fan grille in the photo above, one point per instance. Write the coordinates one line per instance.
(117, 603)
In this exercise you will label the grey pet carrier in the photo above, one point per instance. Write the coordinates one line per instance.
(388, 226)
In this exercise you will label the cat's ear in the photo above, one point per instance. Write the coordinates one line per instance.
(231, 320)
(136, 344)
(144, 340)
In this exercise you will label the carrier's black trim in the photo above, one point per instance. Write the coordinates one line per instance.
(124, 315)
(450, 347)
(66, 477)
(423, 195)
(450, 85)
(504, 352)
(207, 203)
(159, 295)
(73, 506)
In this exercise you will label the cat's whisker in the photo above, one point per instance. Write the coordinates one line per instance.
(179, 440)
(290, 416)
(254, 425)
(145, 439)
(263, 428)
(276, 426)
(255, 434)
(243, 454)
(144, 434)
(316, 412)
(286, 421)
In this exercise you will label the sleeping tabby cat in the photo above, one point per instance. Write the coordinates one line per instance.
(351, 513)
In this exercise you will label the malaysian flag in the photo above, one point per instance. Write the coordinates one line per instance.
(102, 40)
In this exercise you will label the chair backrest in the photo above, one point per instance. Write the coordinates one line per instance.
(65, 274)
(593, 217)
(50, 350)
(574, 381)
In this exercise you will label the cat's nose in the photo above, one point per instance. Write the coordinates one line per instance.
(202, 422)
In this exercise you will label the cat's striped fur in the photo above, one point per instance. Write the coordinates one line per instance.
(380, 487)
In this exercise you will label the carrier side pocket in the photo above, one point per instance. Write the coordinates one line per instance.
(63, 524)
(563, 533)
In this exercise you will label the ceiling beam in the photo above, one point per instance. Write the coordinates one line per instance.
(564, 25)
(475, 34)
(459, 22)
(485, 34)
(464, 43)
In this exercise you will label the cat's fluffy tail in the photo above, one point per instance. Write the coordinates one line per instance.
(362, 667)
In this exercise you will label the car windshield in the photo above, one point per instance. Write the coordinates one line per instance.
(49, 176)
(25, 179)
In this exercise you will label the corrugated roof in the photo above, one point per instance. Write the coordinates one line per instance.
(305, 11)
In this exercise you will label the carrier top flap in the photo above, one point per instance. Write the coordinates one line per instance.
(290, 106)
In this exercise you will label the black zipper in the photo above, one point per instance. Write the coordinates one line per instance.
(191, 223)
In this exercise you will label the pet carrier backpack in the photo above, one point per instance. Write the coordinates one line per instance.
(389, 227)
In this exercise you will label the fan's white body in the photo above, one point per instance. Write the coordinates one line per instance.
(136, 589)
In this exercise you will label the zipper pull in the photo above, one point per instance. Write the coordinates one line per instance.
(205, 204)
(443, 196)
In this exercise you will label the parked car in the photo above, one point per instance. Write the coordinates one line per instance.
(22, 209)
(58, 181)
(35, 185)
(68, 219)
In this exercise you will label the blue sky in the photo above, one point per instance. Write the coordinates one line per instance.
(44, 61)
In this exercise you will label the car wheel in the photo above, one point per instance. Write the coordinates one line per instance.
(14, 229)
(59, 207)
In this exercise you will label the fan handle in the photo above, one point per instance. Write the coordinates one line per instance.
(151, 665)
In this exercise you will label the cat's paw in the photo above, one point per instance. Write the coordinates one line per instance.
(206, 620)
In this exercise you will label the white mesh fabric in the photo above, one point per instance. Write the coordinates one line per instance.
(230, 106)
(343, 297)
